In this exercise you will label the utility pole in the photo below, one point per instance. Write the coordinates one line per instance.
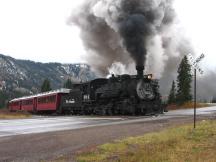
(195, 86)
(194, 63)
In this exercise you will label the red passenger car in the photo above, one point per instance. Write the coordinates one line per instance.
(48, 101)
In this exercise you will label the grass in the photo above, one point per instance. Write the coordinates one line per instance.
(188, 105)
(6, 114)
(182, 144)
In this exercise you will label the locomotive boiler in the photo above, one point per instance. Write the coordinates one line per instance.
(118, 95)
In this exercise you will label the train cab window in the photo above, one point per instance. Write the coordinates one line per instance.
(86, 97)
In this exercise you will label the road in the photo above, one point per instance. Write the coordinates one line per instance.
(50, 138)
(52, 124)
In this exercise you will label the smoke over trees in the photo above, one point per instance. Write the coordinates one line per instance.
(124, 33)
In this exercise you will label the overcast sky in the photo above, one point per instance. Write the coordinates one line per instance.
(38, 30)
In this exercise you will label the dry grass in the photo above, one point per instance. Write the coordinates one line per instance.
(6, 114)
(173, 145)
(188, 105)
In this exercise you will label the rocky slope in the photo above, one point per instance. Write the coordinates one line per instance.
(26, 76)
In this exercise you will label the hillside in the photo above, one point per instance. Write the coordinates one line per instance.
(19, 77)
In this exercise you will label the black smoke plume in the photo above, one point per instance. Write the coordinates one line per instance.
(133, 30)
(120, 34)
(141, 19)
(118, 30)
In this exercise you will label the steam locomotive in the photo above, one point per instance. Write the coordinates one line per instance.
(118, 95)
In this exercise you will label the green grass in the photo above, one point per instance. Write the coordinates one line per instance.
(182, 144)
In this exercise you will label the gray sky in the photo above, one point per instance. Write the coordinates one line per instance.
(37, 29)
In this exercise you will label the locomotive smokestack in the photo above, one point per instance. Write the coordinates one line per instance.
(139, 71)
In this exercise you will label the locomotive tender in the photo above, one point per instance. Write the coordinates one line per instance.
(120, 95)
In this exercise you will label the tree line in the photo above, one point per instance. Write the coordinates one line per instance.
(180, 91)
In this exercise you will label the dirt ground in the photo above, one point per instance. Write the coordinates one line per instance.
(6, 114)
(51, 146)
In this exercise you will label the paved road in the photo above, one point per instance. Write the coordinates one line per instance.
(51, 124)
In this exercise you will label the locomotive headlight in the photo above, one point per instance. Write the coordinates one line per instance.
(150, 76)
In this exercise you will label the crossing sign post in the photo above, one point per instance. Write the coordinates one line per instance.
(194, 63)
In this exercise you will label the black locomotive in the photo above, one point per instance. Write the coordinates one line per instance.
(121, 95)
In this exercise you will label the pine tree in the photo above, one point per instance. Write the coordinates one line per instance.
(46, 86)
(3, 99)
(172, 95)
(68, 84)
(184, 80)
